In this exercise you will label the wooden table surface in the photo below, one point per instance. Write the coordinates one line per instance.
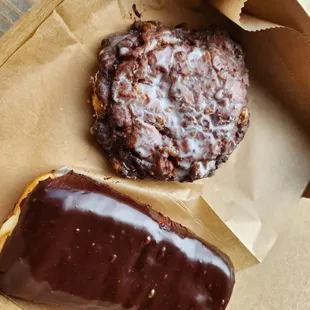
(11, 11)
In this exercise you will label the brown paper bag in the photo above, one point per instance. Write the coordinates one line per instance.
(46, 118)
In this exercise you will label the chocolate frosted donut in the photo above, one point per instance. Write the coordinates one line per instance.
(76, 242)
(170, 103)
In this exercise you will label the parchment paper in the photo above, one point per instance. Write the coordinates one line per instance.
(46, 119)
(281, 282)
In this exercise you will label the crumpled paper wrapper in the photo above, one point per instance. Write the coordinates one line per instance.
(46, 118)
(255, 15)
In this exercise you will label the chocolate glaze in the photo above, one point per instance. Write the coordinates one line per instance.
(82, 244)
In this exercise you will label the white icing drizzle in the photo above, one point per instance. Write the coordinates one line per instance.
(191, 92)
